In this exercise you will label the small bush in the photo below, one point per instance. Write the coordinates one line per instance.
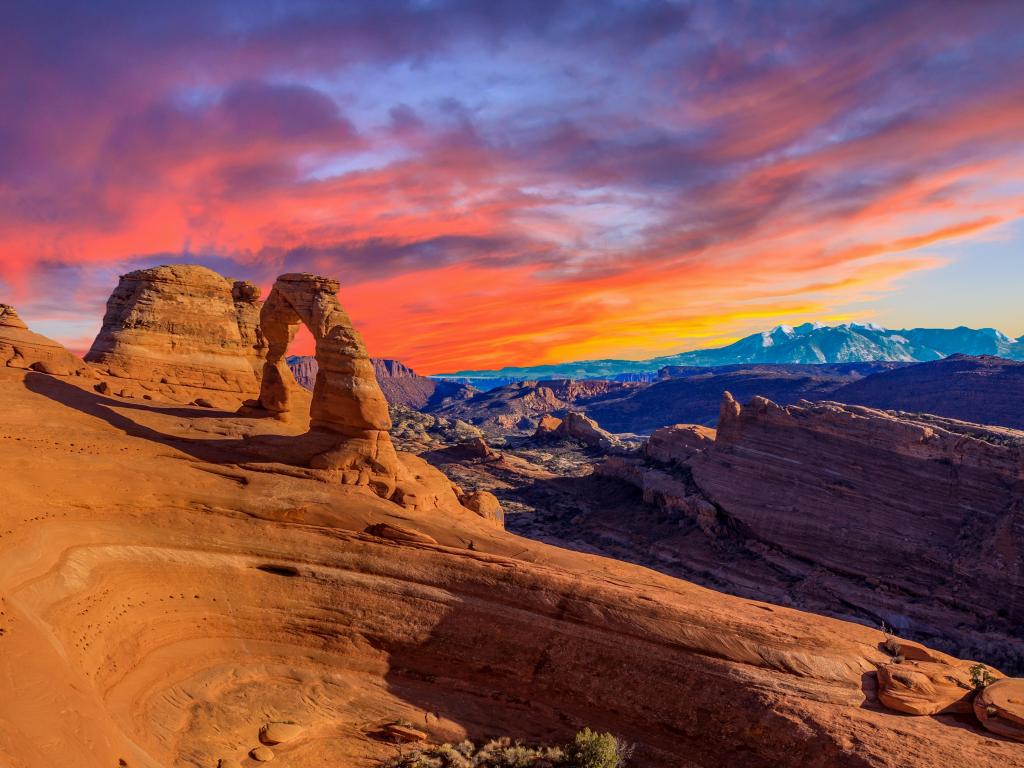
(589, 749)
(595, 750)
(981, 677)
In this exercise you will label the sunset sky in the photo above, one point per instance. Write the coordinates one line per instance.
(509, 182)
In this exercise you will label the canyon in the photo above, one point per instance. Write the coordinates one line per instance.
(197, 550)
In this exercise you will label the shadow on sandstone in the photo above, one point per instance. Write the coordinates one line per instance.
(293, 450)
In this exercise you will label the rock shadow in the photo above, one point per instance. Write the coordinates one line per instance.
(283, 449)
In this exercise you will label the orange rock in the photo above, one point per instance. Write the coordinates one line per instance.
(399, 533)
(183, 328)
(485, 504)
(547, 425)
(347, 400)
(21, 348)
(404, 734)
(262, 754)
(925, 688)
(1000, 707)
(279, 733)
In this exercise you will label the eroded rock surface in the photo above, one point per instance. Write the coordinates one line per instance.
(1000, 707)
(180, 331)
(21, 348)
(913, 521)
(165, 597)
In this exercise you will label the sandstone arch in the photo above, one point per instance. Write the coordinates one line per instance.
(347, 401)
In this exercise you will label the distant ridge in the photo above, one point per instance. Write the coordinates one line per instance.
(784, 344)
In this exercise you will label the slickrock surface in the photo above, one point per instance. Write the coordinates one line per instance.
(164, 592)
(180, 332)
(21, 348)
(914, 521)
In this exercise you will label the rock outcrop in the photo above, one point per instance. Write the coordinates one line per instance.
(1000, 707)
(21, 348)
(349, 418)
(925, 687)
(485, 504)
(347, 400)
(181, 332)
(928, 504)
(915, 521)
(576, 426)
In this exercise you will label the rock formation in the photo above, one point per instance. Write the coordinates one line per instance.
(158, 610)
(692, 395)
(346, 398)
(181, 332)
(1000, 707)
(165, 595)
(916, 521)
(485, 504)
(576, 425)
(517, 407)
(21, 348)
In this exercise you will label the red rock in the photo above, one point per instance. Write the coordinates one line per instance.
(1000, 707)
(485, 504)
(925, 687)
(399, 533)
(404, 734)
(21, 348)
(184, 329)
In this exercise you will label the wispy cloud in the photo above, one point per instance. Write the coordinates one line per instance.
(509, 182)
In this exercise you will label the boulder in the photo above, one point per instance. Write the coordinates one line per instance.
(925, 687)
(485, 504)
(547, 425)
(262, 754)
(181, 331)
(280, 733)
(679, 443)
(21, 348)
(576, 426)
(228, 762)
(1000, 707)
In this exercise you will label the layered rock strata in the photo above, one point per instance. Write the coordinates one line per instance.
(912, 520)
(182, 332)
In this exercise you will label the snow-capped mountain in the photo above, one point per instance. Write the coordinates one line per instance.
(853, 342)
(807, 343)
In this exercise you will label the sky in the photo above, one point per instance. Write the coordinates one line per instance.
(518, 182)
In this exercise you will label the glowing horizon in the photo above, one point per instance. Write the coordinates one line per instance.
(520, 183)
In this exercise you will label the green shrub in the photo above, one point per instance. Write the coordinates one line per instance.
(981, 677)
(588, 750)
(595, 750)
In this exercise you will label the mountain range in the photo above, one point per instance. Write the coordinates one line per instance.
(810, 343)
